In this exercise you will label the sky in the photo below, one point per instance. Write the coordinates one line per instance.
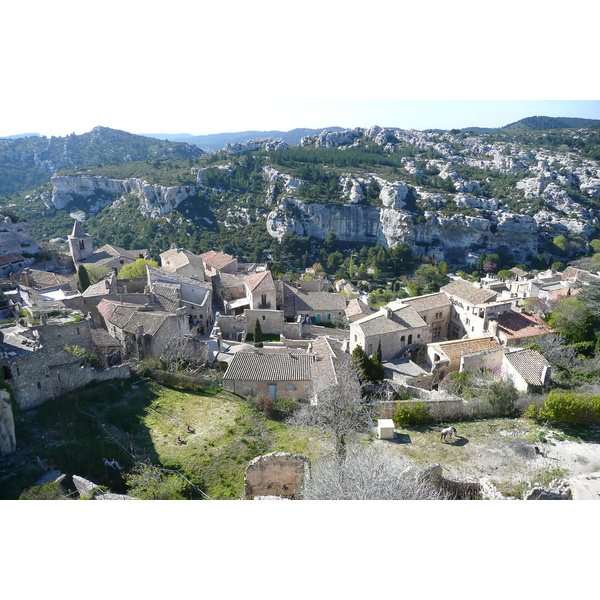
(205, 67)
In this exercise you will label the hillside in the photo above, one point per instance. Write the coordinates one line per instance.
(28, 162)
(218, 141)
(445, 195)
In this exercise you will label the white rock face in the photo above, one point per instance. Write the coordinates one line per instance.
(252, 145)
(388, 226)
(155, 200)
(591, 187)
(16, 238)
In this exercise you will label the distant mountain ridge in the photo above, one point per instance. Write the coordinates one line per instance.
(217, 141)
(536, 124)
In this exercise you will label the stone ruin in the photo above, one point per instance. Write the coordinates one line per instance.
(278, 474)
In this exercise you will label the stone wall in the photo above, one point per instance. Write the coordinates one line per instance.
(261, 389)
(275, 474)
(51, 371)
(8, 440)
(271, 321)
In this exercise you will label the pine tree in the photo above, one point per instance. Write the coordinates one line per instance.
(83, 277)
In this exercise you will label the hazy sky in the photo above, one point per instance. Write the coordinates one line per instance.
(206, 67)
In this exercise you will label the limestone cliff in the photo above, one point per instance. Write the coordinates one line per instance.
(98, 192)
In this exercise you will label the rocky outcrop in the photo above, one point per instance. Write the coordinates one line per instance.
(155, 200)
(359, 223)
(16, 237)
(254, 145)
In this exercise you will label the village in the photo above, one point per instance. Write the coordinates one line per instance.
(274, 338)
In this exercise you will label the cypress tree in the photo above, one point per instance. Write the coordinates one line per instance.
(84, 278)
(258, 334)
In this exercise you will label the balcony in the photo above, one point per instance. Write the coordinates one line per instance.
(264, 306)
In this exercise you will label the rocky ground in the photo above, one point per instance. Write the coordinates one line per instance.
(504, 451)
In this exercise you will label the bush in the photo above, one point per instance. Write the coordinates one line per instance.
(570, 409)
(412, 413)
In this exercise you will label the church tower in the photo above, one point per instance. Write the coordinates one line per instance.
(80, 243)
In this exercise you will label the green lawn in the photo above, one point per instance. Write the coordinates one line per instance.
(141, 421)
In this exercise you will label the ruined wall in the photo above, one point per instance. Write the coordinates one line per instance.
(261, 389)
(51, 371)
(8, 440)
(275, 474)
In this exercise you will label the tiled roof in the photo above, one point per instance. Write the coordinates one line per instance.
(175, 258)
(105, 286)
(530, 364)
(111, 256)
(457, 348)
(357, 309)
(128, 317)
(8, 259)
(323, 374)
(524, 324)
(167, 295)
(428, 302)
(217, 260)
(46, 279)
(249, 366)
(260, 282)
(156, 274)
(299, 301)
(402, 317)
(469, 293)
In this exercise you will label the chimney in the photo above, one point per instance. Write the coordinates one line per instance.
(389, 312)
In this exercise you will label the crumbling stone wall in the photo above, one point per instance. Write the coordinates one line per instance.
(50, 371)
(275, 474)
(8, 440)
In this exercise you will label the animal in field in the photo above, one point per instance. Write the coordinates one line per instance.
(449, 432)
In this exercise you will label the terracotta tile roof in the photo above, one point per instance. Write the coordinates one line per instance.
(11, 258)
(469, 293)
(401, 317)
(259, 282)
(456, 348)
(217, 260)
(522, 325)
(249, 366)
(530, 364)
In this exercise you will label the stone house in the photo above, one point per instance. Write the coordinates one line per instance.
(171, 292)
(483, 353)
(435, 310)
(182, 262)
(38, 366)
(314, 307)
(356, 309)
(215, 263)
(472, 309)
(398, 327)
(142, 331)
(527, 369)
(270, 375)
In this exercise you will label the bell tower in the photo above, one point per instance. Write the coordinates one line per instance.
(80, 243)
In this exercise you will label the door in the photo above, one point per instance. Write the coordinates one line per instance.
(318, 318)
(273, 390)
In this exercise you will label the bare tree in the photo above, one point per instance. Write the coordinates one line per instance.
(339, 410)
(369, 473)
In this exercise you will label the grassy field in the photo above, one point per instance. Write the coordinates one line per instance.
(131, 422)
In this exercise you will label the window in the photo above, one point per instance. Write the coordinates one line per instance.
(290, 387)
(329, 316)
(81, 245)
(438, 315)
(263, 317)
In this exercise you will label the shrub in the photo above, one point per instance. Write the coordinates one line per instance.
(570, 409)
(265, 404)
(412, 413)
